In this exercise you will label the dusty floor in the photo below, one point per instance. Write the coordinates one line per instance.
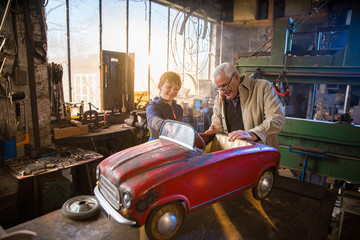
(294, 210)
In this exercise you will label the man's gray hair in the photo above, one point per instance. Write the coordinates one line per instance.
(227, 68)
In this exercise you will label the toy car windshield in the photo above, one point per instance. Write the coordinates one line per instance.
(178, 132)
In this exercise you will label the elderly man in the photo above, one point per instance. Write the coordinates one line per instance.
(246, 108)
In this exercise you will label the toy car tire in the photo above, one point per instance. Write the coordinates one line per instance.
(165, 221)
(264, 185)
(81, 207)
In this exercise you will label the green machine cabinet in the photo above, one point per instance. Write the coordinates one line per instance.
(340, 143)
(336, 145)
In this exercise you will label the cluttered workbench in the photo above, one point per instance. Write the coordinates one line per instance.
(106, 141)
(41, 186)
(61, 159)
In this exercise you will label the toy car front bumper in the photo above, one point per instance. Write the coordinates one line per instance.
(110, 210)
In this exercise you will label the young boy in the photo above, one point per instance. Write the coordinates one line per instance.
(164, 107)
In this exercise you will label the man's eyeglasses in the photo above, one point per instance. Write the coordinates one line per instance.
(223, 89)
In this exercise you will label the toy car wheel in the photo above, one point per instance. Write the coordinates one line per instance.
(81, 207)
(264, 185)
(165, 221)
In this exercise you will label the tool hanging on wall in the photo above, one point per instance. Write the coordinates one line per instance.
(24, 138)
(285, 95)
(16, 97)
(55, 72)
(123, 108)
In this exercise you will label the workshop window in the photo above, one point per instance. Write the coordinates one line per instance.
(84, 45)
(114, 25)
(84, 88)
(332, 101)
(323, 102)
(55, 13)
(175, 44)
(189, 49)
(139, 41)
(299, 103)
(158, 46)
(84, 41)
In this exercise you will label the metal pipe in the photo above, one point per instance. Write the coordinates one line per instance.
(5, 15)
(68, 48)
(309, 15)
(184, 42)
(209, 52)
(100, 25)
(100, 43)
(309, 73)
(301, 16)
(328, 154)
(342, 28)
(304, 168)
(197, 56)
(149, 48)
(347, 99)
(168, 41)
(221, 39)
(127, 26)
(261, 47)
(313, 99)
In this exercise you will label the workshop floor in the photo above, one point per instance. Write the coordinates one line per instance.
(294, 210)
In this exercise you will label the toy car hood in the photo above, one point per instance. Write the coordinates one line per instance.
(135, 162)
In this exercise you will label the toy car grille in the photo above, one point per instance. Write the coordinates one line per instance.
(110, 192)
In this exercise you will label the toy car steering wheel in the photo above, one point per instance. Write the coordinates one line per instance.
(202, 141)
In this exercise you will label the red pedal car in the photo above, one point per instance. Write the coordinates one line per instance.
(158, 182)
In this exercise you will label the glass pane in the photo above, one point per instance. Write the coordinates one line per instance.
(85, 59)
(55, 12)
(300, 100)
(189, 49)
(176, 42)
(204, 49)
(139, 41)
(159, 41)
(334, 39)
(330, 102)
(114, 25)
(181, 133)
(355, 104)
(191, 46)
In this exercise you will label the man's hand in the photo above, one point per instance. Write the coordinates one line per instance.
(212, 130)
(240, 134)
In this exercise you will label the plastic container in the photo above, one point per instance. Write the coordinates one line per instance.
(8, 149)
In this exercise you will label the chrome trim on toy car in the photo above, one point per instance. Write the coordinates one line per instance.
(126, 199)
(110, 192)
(212, 200)
(110, 210)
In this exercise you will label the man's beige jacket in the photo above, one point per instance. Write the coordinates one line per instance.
(261, 110)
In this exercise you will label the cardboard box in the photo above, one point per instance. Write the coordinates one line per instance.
(69, 132)
(60, 133)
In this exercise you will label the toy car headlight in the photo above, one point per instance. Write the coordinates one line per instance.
(126, 200)
(98, 172)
